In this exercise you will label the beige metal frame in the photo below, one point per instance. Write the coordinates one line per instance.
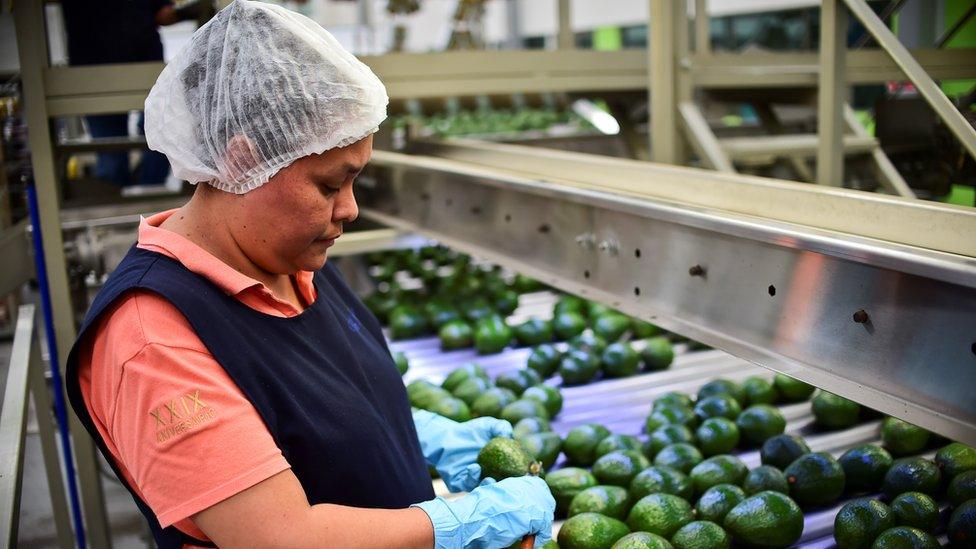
(25, 379)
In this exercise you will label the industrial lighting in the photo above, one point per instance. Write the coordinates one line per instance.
(599, 118)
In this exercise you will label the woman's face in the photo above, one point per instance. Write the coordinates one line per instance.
(288, 224)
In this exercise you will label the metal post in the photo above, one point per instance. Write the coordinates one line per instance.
(703, 33)
(13, 423)
(703, 140)
(831, 96)
(913, 70)
(665, 138)
(32, 46)
(565, 39)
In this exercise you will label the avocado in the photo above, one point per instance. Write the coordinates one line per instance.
(767, 519)
(758, 390)
(721, 386)
(661, 514)
(565, 483)
(917, 510)
(642, 540)
(760, 422)
(717, 435)
(657, 353)
(503, 457)
(614, 443)
(462, 373)
(717, 501)
(765, 477)
(406, 323)
(477, 310)
(530, 425)
(618, 468)
(542, 447)
(456, 334)
(781, 450)
(471, 389)
(865, 467)
(523, 408)
(701, 534)
(680, 456)
(544, 360)
(549, 396)
(518, 381)
(533, 331)
(438, 316)
(660, 479)
(902, 438)
(672, 398)
(569, 304)
(835, 412)
(666, 435)
(423, 394)
(506, 302)
(612, 501)
(524, 284)
(577, 367)
(402, 364)
(962, 525)
(643, 330)
(670, 415)
(718, 406)
(816, 479)
(912, 475)
(492, 402)
(792, 390)
(568, 324)
(859, 522)
(451, 408)
(962, 488)
(901, 537)
(722, 469)
(581, 442)
(594, 310)
(610, 326)
(589, 342)
(955, 458)
(491, 335)
(591, 531)
(620, 360)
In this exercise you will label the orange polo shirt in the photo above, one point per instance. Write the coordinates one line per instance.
(180, 430)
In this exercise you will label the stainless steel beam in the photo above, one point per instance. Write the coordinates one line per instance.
(831, 93)
(702, 138)
(924, 83)
(783, 296)
(661, 42)
(13, 423)
(791, 145)
(919, 224)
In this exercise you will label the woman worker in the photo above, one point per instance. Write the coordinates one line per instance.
(239, 389)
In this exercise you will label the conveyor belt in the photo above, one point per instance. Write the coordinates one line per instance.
(623, 404)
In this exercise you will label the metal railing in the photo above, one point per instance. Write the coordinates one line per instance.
(25, 379)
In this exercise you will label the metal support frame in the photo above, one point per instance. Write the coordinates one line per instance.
(924, 83)
(702, 138)
(32, 41)
(25, 378)
(888, 175)
(832, 93)
(833, 309)
(16, 257)
(564, 35)
(663, 38)
(703, 31)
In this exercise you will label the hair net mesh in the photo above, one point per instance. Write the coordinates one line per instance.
(257, 88)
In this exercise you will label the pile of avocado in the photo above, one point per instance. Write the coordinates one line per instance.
(487, 121)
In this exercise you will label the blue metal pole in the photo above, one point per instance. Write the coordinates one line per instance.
(60, 409)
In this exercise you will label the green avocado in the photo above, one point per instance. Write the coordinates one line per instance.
(763, 478)
(581, 442)
(518, 381)
(402, 364)
(549, 396)
(680, 456)
(618, 468)
(758, 390)
(962, 525)
(912, 475)
(492, 402)
(717, 435)
(760, 422)
(565, 483)
(643, 330)
(533, 331)
(503, 457)
(568, 324)
(544, 360)
(577, 367)
(406, 323)
(835, 412)
(524, 284)
(816, 479)
(902, 438)
(569, 304)
(423, 394)
(792, 390)
(661, 514)
(767, 519)
(614, 443)
(611, 326)
(506, 302)
(451, 408)
(701, 534)
(542, 447)
(717, 501)
(722, 469)
(859, 522)
(612, 501)
(589, 342)
(917, 510)
(492, 335)
(673, 415)
(782, 450)
(470, 389)
(660, 479)
(962, 488)
(865, 467)
(642, 540)
(721, 386)
(718, 406)
(530, 425)
(456, 334)
(620, 360)
(905, 537)
(657, 353)
(955, 458)
(460, 374)
(671, 399)
(591, 531)
(666, 435)
(439, 316)
(523, 408)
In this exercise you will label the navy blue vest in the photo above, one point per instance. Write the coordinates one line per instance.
(323, 382)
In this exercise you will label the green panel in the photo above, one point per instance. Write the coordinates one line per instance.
(607, 39)
(964, 38)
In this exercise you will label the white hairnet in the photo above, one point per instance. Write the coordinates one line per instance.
(257, 88)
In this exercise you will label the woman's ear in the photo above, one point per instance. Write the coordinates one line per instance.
(241, 156)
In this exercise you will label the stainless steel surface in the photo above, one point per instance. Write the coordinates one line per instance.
(914, 223)
(774, 294)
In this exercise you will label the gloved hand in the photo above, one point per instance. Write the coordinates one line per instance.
(452, 448)
(495, 514)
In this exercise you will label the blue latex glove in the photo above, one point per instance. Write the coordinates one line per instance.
(493, 515)
(452, 448)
